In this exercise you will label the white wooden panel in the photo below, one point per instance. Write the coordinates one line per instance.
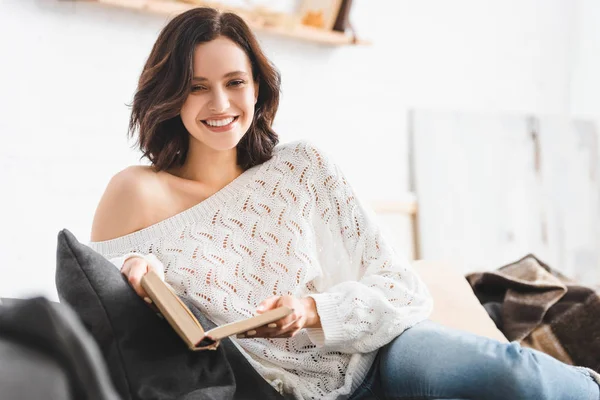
(570, 185)
(493, 188)
(477, 189)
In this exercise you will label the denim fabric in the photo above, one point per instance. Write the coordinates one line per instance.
(430, 361)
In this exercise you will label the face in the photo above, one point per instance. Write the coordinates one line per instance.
(220, 107)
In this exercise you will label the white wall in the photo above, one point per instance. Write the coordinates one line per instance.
(585, 75)
(585, 79)
(503, 186)
(67, 73)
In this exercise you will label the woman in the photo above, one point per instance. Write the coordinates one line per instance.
(241, 225)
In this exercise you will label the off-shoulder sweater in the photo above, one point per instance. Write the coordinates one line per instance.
(289, 226)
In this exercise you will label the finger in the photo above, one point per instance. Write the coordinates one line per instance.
(267, 304)
(274, 328)
(289, 319)
(130, 262)
(281, 323)
(286, 335)
(287, 329)
(135, 279)
(292, 326)
(125, 268)
(261, 332)
(135, 263)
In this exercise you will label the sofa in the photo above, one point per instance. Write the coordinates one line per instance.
(455, 304)
(27, 372)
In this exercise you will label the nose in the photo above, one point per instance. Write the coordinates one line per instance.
(219, 101)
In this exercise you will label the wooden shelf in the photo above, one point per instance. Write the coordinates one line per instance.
(407, 206)
(171, 8)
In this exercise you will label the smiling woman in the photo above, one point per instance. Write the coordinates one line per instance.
(216, 70)
(220, 107)
(241, 225)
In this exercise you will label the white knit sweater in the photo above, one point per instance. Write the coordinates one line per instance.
(290, 226)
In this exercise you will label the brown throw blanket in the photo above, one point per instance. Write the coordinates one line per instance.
(542, 309)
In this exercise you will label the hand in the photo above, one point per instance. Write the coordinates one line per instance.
(305, 315)
(134, 269)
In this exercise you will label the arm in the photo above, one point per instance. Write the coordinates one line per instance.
(374, 294)
(123, 209)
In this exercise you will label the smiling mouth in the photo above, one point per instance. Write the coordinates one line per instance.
(220, 123)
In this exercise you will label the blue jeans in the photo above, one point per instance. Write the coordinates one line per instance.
(430, 361)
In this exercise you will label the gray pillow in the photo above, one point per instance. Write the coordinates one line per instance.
(46, 353)
(145, 357)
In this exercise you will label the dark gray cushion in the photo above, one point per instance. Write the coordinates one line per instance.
(146, 358)
(20, 365)
(49, 347)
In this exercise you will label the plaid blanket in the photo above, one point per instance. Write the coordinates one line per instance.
(543, 309)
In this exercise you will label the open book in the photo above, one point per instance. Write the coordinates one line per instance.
(187, 326)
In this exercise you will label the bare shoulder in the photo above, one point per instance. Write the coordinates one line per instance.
(125, 204)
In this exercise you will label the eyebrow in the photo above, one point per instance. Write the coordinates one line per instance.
(227, 75)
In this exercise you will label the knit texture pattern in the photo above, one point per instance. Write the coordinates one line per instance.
(290, 226)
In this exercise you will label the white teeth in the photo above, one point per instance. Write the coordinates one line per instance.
(219, 122)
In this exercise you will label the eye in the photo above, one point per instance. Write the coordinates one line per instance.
(198, 88)
(236, 82)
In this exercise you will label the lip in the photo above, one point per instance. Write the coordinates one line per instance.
(224, 128)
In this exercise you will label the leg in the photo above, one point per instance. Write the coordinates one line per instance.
(430, 361)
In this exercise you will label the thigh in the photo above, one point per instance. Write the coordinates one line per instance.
(429, 361)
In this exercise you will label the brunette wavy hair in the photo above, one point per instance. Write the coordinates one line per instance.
(166, 82)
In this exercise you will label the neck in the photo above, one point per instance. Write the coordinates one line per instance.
(211, 167)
